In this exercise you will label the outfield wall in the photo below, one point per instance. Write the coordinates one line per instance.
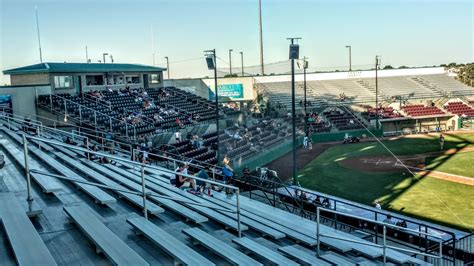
(339, 136)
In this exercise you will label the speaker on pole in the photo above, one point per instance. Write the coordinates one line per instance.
(294, 51)
(210, 62)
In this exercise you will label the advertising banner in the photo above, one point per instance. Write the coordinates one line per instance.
(6, 103)
(231, 91)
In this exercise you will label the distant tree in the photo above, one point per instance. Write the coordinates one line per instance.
(402, 67)
(443, 65)
(452, 64)
(388, 67)
(230, 76)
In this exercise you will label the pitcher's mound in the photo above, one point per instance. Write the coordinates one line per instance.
(379, 163)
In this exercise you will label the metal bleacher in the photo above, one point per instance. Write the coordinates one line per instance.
(27, 245)
(219, 247)
(269, 235)
(103, 238)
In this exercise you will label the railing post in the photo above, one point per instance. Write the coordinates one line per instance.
(318, 244)
(51, 102)
(95, 122)
(384, 245)
(87, 148)
(110, 123)
(145, 212)
(238, 212)
(27, 168)
(80, 114)
(441, 251)
(126, 130)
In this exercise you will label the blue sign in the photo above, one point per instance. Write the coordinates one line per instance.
(232, 91)
(6, 103)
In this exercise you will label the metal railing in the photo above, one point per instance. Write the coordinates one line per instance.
(384, 246)
(142, 166)
(43, 130)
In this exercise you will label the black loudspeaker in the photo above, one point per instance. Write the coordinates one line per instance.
(294, 51)
(210, 62)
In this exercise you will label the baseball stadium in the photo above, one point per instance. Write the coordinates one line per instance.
(116, 162)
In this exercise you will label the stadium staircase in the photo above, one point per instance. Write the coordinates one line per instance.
(269, 234)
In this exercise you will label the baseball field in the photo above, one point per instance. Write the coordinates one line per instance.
(437, 185)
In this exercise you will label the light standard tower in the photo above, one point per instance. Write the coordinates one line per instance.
(304, 65)
(377, 65)
(212, 65)
(350, 57)
(167, 67)
(103, 57)
(294, 54)
(242, 61)
(261, 36)
(230, 61)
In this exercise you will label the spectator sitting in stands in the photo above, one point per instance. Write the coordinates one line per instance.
(105, 160)
(389, 220)
(377, 205)
(202, 184)
(182, 181)
(246, 173)
(326, 203)
(402, 223)
(69, 141)
(237, 136)
(179, 123)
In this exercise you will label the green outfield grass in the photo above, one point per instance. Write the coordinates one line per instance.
(423, 197)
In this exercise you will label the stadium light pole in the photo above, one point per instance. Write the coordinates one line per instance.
(212, 65)
(350, 57)
(103, 57)
(230, 61)
(38, 33)
(305, 66)
(377, 65)
(261, 36)
(167, 67)
(294, 51)
(242, 61)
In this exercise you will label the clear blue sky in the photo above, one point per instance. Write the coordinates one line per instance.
(404, 32)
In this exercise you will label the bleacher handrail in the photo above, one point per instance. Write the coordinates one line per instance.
(42, 129)
(384, 246)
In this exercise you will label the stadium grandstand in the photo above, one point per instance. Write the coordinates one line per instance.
(121, 143)
(124, 161)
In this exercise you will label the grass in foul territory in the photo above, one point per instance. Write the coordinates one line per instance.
(422, 197)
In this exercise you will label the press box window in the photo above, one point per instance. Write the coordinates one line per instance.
(62, 82)
(154, 78)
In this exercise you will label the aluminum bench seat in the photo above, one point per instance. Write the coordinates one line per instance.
(338, 260)
(222, 249)
(300, 255)
(105, 240)
(181, 253)
(263, 251)
(26, 243)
